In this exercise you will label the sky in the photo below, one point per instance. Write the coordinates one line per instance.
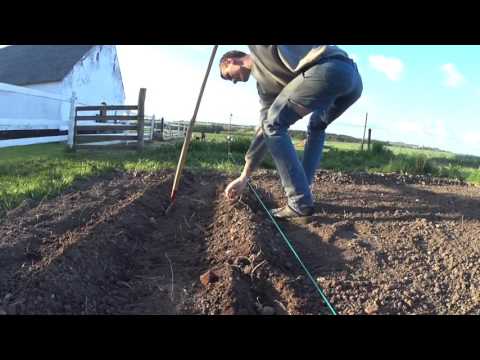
(426, 95)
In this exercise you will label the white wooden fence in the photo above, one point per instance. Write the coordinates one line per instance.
(173, 130)
(26, 109)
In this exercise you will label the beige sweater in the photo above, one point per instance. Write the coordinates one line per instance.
(274, 66)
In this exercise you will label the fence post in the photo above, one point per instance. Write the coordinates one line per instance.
(364, 129)
(161, 129)
(152, 128)
(141, 119)
(369, 138)
(71, 122)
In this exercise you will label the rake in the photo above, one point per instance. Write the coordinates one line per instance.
(188, 136)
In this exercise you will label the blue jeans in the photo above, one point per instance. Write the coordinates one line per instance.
(325, 90)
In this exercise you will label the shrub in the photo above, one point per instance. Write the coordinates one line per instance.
(423, 165)
(240, 144)
(379, 148)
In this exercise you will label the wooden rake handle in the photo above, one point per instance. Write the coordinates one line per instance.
(186, 142)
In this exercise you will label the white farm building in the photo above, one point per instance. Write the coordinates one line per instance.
(37, 83)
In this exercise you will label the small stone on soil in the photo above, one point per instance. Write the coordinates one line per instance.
(208, 278)
(371, 309)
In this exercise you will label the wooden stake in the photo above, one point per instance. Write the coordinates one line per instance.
(186, 142)
(141, 119)
(364, 130)
(71, 122)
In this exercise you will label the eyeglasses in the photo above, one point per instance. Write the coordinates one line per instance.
(226, 76)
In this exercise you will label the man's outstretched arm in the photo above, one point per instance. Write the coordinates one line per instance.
(253, 158)
(258, 147)
(255, 153)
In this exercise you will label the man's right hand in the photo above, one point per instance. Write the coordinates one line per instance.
(235, 188)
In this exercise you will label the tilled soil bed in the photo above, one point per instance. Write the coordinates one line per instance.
(377, 244)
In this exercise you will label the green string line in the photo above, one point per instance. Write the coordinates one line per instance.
(325, 300)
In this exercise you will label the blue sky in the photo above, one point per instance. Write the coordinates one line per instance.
(423, 95)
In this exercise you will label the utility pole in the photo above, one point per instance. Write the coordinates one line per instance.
(229, 134)
(364, 130)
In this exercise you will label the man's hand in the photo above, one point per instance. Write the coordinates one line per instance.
(235, 188)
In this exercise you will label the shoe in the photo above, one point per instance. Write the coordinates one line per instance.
(287, 213)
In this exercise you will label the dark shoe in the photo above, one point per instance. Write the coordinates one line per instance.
(287, 213)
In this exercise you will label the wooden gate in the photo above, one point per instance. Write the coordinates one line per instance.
(111, 131)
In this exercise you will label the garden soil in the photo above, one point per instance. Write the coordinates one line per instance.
(377, 244)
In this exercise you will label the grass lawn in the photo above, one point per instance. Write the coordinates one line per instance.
(38, 171)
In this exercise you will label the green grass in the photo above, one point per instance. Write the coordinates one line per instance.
(38, 171)
(343, 146)
(349, 157)
(343, 156)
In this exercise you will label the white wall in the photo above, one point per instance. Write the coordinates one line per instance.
(95, 78)
(22, 109)
(52, 87)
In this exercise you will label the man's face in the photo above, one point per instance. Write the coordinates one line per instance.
(233, 70)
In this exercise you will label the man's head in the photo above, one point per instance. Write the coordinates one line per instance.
(235, 66)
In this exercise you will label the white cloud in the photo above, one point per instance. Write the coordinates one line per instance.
(426, 131)
(453, 77)
(410, 127)
(472, 138)
(391, 67)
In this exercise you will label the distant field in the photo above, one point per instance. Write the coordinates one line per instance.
(397, 150)
(347, 156)
(404, 160)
